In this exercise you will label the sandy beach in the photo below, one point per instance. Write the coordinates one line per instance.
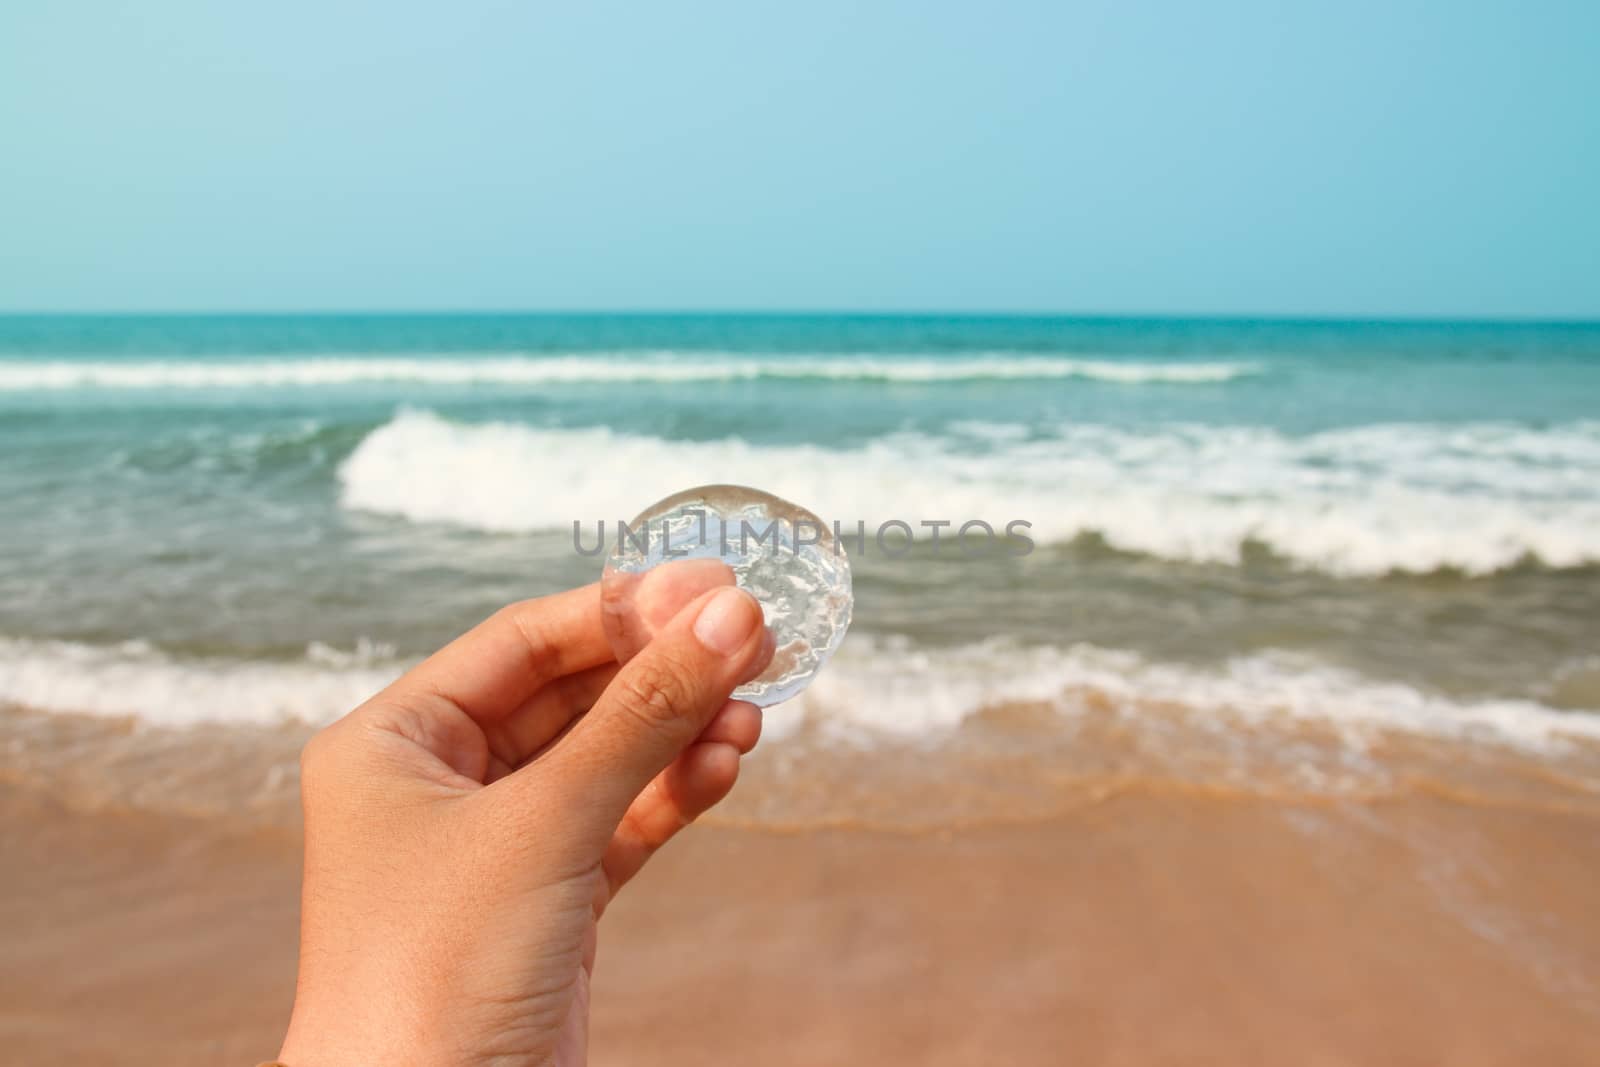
(1156, 926)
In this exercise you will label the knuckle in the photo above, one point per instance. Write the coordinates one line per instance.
(327, 749)
(657, 691)
(313, 753)
(522, 619)
(315, 757)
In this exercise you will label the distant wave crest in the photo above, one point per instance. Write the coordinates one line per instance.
(663, 367)
(1365, 501)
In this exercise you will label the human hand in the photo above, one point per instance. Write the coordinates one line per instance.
(466, 827)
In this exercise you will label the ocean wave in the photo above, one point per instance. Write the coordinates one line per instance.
(661, 367)
(135, 679)
(875, 688)
(1367, 501)
(889, 686)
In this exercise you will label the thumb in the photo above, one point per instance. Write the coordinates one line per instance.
(659, 703)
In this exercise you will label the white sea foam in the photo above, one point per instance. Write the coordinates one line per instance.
(135, 679)
(1476, 497)
(879, 687)
(875, 688)
(660, 367)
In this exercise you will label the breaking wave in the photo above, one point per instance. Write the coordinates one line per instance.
(877, 687)
(1365, 501)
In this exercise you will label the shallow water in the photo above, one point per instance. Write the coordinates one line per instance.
(1256, 523)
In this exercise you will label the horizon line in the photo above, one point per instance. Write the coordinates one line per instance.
(1408, 318)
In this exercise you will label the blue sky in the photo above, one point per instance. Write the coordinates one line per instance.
(1347, 158)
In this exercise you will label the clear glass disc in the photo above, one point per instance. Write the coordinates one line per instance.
(780, 553)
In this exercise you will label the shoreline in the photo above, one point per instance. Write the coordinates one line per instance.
(1007, 766)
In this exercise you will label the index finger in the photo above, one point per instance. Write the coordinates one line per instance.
(492, 669)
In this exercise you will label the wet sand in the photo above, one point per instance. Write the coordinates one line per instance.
(1154, 927)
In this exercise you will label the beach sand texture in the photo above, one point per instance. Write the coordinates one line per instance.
(1147, 922)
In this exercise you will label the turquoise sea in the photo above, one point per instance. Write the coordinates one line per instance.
(1370, 526)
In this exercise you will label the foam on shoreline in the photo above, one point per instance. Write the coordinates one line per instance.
(876, 689)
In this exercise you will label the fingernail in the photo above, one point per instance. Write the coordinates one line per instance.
(727, 620)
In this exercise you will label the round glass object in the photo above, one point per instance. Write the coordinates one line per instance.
(780, 553)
